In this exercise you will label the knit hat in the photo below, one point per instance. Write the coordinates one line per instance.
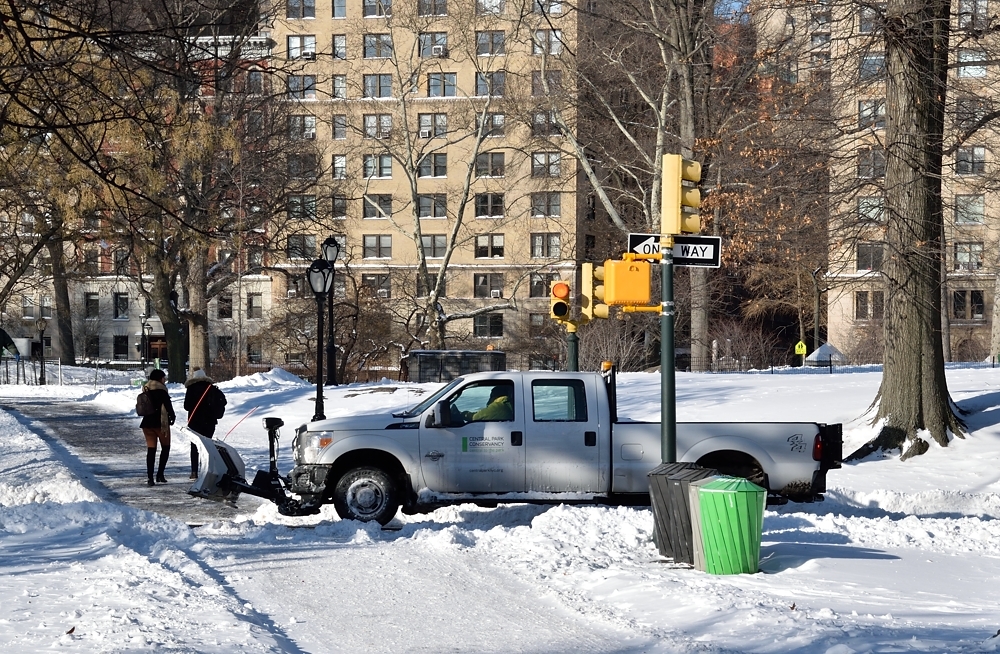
(157, 375)
(198, 373)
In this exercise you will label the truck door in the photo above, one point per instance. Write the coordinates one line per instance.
(482, 451)
(561, 440)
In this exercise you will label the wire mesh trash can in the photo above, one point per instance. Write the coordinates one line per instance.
(668, 495)
(732, 515)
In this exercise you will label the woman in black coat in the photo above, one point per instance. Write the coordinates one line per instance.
(205, 404)
(156, 426)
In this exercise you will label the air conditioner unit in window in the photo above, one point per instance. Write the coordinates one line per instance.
(311, 56)
(425, 133)
(309, 136)
(439, 51)
(496, 293)
(383, 292)
(292, 292)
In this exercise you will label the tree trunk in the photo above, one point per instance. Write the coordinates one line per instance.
(197, 317)
(914, 393)
(699, 319)
(63, 332)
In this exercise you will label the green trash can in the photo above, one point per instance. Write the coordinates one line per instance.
(732, 513)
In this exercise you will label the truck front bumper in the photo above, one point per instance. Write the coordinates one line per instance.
(308, 480)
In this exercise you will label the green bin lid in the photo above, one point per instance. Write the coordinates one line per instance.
(731, 485)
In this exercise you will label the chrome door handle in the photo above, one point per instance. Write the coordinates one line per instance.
(434, 455)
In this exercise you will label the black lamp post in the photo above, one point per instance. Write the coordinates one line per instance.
(331, 250)
(320, 276)
(41, 324)
(142, 341)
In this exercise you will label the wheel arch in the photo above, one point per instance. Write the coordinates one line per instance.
(375, 458)
(734, 462)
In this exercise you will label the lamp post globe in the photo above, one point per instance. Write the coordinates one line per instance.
(320, 277)
(331, 252)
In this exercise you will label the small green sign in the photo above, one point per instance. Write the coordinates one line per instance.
(800, 348)
(465, 443)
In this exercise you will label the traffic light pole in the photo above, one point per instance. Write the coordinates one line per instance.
(668, 396)
(572, 348)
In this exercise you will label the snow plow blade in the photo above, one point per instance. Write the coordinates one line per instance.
(219, 466)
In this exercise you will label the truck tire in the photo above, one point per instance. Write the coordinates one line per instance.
(366, 494)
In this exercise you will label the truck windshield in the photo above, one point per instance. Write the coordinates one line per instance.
(429, 402)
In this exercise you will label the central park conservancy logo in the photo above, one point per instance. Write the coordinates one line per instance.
(482, 443)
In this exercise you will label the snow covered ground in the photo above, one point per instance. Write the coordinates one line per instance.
(901, 557)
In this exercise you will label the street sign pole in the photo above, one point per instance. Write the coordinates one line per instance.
(668, 416)
(572, 348)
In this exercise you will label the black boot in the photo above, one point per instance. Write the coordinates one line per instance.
(194, 461)
(150, 461)
(164, 453)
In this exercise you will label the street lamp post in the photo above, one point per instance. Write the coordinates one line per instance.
(331, 250)
(320, 276)
(142, 341)
(41, 324)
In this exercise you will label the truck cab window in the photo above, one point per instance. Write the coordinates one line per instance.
(559, 400)
(486, 402)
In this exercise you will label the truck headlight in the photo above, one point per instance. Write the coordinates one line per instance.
(312, 443)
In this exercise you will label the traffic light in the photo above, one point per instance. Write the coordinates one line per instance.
(559, 301)
(626, 282)
(679, 203)
(592, 292)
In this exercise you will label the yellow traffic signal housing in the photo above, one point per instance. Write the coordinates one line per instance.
(679, 203)
(592, 292)
(626, 282)
(559, 306)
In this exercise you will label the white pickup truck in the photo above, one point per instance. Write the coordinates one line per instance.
(512, 437)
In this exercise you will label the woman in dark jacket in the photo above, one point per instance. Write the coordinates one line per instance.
(156, 426)
(205, 404)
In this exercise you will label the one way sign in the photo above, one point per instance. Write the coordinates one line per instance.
(704, 251)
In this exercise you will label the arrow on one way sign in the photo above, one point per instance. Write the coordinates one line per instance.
(644, 243)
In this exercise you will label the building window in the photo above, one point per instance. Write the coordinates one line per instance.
(488, 325)
(432, 7)
(540, 283)
(969, 113)
(372, 8)
(547, 42)
(91, 306)
(871, 209)
(545, 164)
(432, 206)
(380, 284)
(224, 306)
(871, 113)
(339, 87)
(339, 166)
(92, 348)
(547, 7)
(545, 246)
(255, 306)
(302, 87)
(302, 207)
(432, 44)
(972, 14)
(378, 246)
(490, 7)
(968, 305)
(970, 161)
(441, 85)
(491, 84)
(255, 351)
(432, 125)
(492, 123)
(302, 128)
(434, 245)
(544, 123)
(490, 164)
(536, 329)
(301, 246)
(871, 163)
(119, 344)
(546, 205)
(489, 205)
(547, 84)
(339, 207)
(300, 9)
(377, 166)
(377, 206)
(120, 306)
(968, 256)
(377, 126)
(121, 259)
(339, 127)
(971, 62)
(27, 307)
(872, 67)
(302, 166)
(377, 46)
(869, 256)
(426, 284)
(970, 209)
(433, 165)
(377, 86)
(868, 305)
(869, 18)
(489, 246)
(489, 43)
(487, 285)
(302, 46)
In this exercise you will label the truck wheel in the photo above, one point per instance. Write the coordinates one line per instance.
(366, 494)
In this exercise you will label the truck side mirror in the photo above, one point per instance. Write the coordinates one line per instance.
(442, 414)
